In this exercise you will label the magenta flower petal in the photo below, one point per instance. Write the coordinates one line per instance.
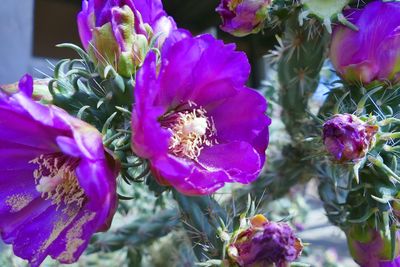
(244, 123)
(57, 186)
(82, 226)
(153, 13)
(11, 223)
(229, 157)
(30, 241)
(187, 176)
(394, 263)
(372, 52)
(173, 38)
(389, 61)
(149, 139)
(85, 25)
(214, 79)
(371, 248)
(151, 10)
(95, 189)
(193, 119)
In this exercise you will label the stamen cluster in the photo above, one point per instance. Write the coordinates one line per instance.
(56, 179)
(191, 132)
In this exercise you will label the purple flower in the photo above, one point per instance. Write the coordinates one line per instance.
(118, 32)
(347, 138)
(195, 120)
(372, 53)
(57, 184)
(370, 247)
(243, 17)
(265, 243)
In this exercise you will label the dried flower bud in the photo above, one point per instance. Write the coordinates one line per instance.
(347, 138)
(265, 243)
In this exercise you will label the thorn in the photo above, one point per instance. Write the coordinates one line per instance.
(108, 123)
(342, 19)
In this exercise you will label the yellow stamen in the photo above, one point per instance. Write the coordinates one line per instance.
(191, 132)
(56, 180)
(233, 4)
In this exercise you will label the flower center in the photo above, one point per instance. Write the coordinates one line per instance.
(56, 179)
(191, 131)
(233, 4)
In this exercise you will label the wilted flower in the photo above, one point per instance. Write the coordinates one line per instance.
(371, 248)
(57, 185)
(195, 120)
(118, 32)
(243, 17)
(265, 243)
(372, 52)
(347, 138)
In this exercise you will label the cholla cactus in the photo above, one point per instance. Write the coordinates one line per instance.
(151, 106)
(360, 191)
(327, 11)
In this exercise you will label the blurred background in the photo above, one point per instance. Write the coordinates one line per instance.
(30, 29)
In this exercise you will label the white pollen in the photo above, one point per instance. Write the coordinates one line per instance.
(191, 132)
(196, 125)
(56, 179)
(48, 184)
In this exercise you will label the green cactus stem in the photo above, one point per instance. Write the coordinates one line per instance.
(202, 217)
(141, 232)
(365, 196)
